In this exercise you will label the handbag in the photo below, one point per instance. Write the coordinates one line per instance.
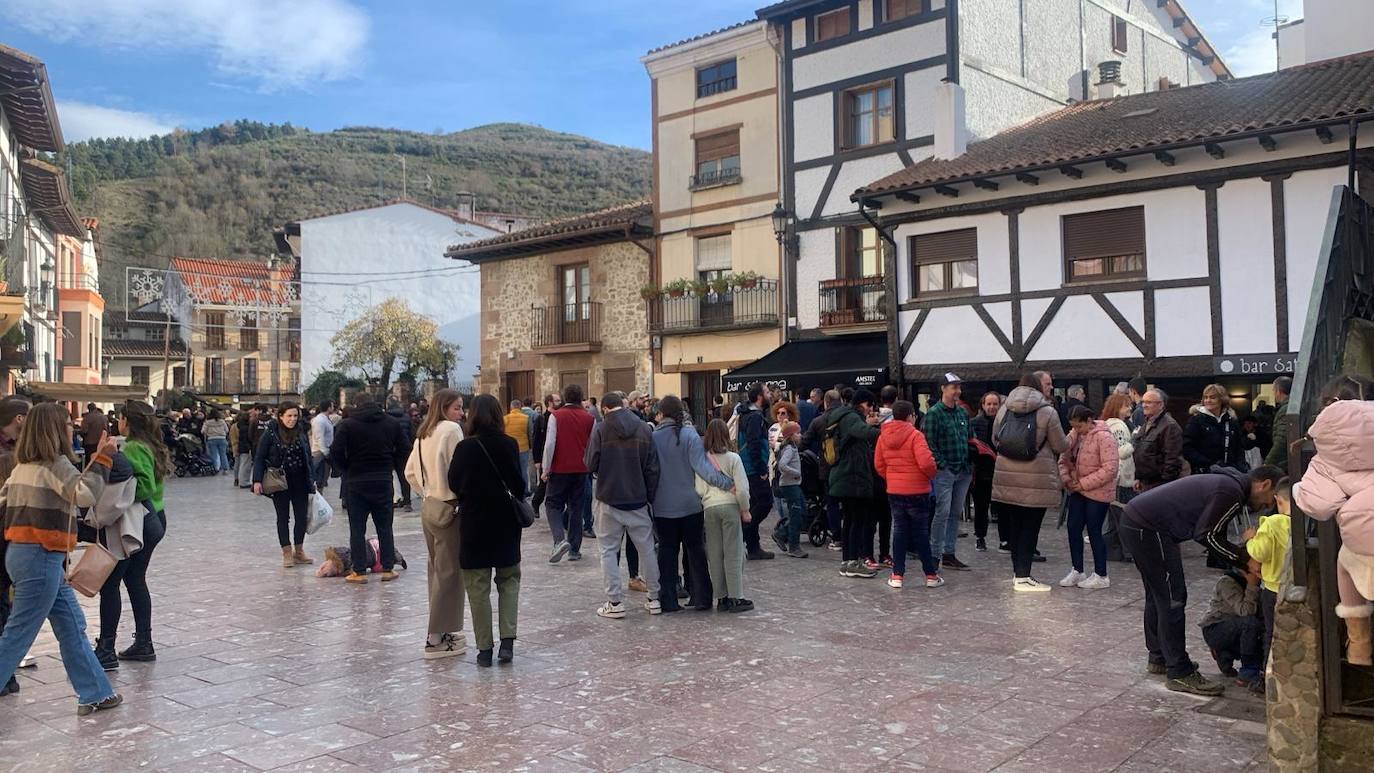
(523, 512)
(437, 513)
(89, 572)
(274, 480)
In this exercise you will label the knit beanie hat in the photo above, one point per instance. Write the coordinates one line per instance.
(790, 430)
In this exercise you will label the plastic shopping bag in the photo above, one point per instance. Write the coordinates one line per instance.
(321, 513)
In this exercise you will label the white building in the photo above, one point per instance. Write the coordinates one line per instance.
(1327, 29)
(869, 87)
(1171, 234)
(356, 259)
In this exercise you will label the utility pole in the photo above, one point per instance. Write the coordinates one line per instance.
(403, 174)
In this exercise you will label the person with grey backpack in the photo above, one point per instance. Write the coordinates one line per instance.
(1025, 482)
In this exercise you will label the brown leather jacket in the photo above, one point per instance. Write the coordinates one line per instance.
(1159, 451)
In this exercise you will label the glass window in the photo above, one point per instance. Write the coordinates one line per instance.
(1109, 244)
(716, 78)
(870, 118)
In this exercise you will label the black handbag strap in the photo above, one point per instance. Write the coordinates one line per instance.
(494, 468)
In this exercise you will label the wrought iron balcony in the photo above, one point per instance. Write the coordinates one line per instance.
(850, 302)
(573, 327)
(715, 179)
(736, 308)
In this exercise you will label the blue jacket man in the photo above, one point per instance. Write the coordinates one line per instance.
(752, 438)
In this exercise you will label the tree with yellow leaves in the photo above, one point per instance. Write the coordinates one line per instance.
(390, 339)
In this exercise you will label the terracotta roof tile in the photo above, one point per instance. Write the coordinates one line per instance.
(233, 282)
(628, 214)
(1139, 122)
(124, 347)
(702, 36)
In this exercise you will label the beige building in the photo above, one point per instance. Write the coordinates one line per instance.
(715, 185)
(561, 304)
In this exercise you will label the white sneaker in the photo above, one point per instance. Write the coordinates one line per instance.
(1028, 585)
(449, 646)
(559, 550)
(1072, 578)
(1095, 581)
(654, 607)
(612, 609)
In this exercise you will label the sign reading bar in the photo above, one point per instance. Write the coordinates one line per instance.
(1271, 365)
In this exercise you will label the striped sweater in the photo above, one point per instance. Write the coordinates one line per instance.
(36, 503)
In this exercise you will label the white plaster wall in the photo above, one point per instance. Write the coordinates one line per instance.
(1082, 331)
(1132, 307)
(813, 121)
(869, 55)
(363, 251)
(798, 33)
(919, 91)
(1001, 314)
(1162, 60)
(991, 32)
(856, 174)
(816, 263)
(994, 251)
(865, 14)
(809, 183)
(1337, 27)
(1306, 199)
(1051, 45)
(1031, 311)
(953, 334)
(992, 103)
(1246, 238)
(1183, 322)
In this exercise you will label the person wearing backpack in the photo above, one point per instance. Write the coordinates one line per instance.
(850, 437)
(1025, 480)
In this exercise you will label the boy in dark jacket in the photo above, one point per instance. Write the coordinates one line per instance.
(753, 451)
(853, 432)
(368, 445)
(1201, 508)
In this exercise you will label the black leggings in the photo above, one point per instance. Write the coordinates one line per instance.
(133, 573)
(858, 524)
(296, 496)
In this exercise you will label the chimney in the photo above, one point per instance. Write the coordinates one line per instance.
(467, 204)
(1109, 85)
(951, 128)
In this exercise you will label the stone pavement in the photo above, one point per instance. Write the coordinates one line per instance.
(261, 668)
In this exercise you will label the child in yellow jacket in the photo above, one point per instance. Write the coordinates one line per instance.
(1269, 546)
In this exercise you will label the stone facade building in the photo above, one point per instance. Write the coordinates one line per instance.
(561, 304)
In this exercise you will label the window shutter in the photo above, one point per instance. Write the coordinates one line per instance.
(714, 146)
(713, 253)
(945, 246)
(1105, 234)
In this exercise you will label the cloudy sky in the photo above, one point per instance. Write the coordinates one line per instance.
(141, 67)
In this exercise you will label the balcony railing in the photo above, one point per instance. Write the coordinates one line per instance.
(78, 281)
(719, 177)
(715, 87)
(738, 307)
(570, 327)
(853, 301)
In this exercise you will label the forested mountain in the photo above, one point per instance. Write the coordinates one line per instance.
(220, 191)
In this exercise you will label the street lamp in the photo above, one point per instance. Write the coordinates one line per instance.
(781, 220)
(45, 275)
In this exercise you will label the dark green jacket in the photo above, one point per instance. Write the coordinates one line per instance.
(1278, 453)
(852, 475)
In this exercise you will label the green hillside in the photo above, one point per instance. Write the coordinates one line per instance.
(220, 191)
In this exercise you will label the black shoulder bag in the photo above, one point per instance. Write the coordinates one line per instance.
(524, 514)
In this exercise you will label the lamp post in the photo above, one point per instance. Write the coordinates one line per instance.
(45, 286)
(782, 229)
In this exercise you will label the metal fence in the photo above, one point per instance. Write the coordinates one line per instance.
(566, 325)
(737, 307)
(853, 301)
(1342, 301)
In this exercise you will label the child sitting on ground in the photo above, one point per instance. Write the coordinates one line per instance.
(1233, 629)
(1268, 547)
(336, 560)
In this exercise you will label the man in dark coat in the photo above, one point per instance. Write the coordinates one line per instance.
(853, 429)
(368, 446)
(752, 431)
(395, 411)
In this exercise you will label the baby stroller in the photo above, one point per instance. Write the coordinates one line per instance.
(813, 494)
(189, 457)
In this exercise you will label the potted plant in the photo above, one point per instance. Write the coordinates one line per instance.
(698, 286)
(649, 292)
(677, 288)
(720, 285)
(746, 280)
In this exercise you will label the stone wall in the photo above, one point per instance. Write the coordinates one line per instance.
(1294, 700)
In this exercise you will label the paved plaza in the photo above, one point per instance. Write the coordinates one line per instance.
(261, 667)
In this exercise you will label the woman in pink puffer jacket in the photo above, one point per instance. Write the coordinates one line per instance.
(1088, 471)
(1339, 484)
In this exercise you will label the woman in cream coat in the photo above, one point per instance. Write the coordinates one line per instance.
(427, 472)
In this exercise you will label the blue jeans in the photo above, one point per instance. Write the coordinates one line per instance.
(41, 592)
(911, 529)
(525, 468)
(219, 452)
(563, 499)
(1092, 514)
(949, 492)
(793, 512)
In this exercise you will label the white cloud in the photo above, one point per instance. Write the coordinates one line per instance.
(275, 45)
(1253, 52)
(82, 121)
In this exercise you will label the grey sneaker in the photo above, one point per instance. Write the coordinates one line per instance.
(83, 709)
(796, 552)
(559, 550)
(1197, 684)
(856, 569)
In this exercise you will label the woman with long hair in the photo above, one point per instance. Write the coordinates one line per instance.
(485, 475)
(427, 470)
(151, 462)
(725, 514)
(286, 446)
(37, 512)
(1212, 434)
(1116, 412)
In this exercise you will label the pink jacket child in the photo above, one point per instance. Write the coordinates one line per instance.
(1092, 460)
(1339, 484)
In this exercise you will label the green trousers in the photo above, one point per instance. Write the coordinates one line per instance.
(477, 582)
(725, 550)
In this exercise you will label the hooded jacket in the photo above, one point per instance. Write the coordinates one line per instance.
(1158, 452)
(1034, 482)
(1339, 483)
(752, 438)
(852, 475)
(1125, 452)
(1209, 439)
(1093, 461)
(621, 454)
(368, 446)
(903, 459)
(1199, 507)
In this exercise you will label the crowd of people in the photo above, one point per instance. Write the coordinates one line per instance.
(871, 475)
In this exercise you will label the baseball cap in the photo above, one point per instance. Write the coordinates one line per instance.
(950, 378)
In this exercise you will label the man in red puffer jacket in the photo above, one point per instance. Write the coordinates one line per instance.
(904, 460)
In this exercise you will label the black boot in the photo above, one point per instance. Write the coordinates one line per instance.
(12, 686)
(141, 650)
(507, 652)
(484, 658)
(105, 653)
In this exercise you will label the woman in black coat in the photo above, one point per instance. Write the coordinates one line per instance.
(286, 446)
(485, 466)
(1213, 436)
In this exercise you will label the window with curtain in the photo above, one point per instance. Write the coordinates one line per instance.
(863, 253)
(214, 330)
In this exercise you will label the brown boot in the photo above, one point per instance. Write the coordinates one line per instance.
(287, 560)
(1358, 646)
(300, 557)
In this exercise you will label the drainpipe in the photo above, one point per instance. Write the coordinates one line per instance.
(894, 349)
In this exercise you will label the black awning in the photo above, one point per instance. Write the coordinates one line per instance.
(798, 366)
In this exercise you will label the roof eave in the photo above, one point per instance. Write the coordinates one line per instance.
(43, 130)
(46, 186)
(592, 237)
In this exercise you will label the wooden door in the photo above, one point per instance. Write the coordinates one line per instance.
(518, 385)
(702, 389)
